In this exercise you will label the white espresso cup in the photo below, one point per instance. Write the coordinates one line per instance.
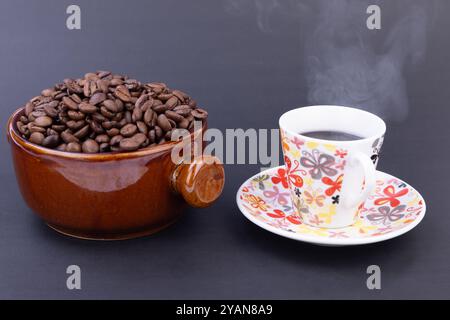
(329, 180)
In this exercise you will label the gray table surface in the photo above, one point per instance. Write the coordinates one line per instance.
(246, 62)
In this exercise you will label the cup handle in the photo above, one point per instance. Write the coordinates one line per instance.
(361, 159)
(200, 182)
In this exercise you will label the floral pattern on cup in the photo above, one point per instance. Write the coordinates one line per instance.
(315, 172)
(393, 205)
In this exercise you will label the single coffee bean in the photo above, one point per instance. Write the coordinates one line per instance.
(59, 127)
(160, 108)
(60, 95)
(183, 110)
(148, 116)
(128, 130)
(102, 138)
(157, 102)
(89, 88)
(182, 107)
(140, 138)
(158, 133)
(96, 127)
(172, 103)
(43, 121)
(163, 122)
(50, 111)
(103, 85)
(75, 125)
(156, 87)
(82, 132)
(53, 104)
(32, 128)
(73, 87)
(97, 97)
(50, 141)
(165, 96)
(111, 105)
(109, 124)
(37, 114)
(141, 100)
(73, 147)
(76, 115)
(72, 105)
(76, 98)
(137, 115)
(116, 82)
(122, 93)
(42, 100)
(174, 116)
(106, 113)
(142, 127)
(68, 137)
(199, 114)
(87, 108)
(147, 105)
(120, 105)
(180, 95)
(98, 117)
(129, 144)
(37, 138)
(112, 132)
(90, 146)
(115, 140)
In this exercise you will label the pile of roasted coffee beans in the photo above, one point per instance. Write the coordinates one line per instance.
(105, 112)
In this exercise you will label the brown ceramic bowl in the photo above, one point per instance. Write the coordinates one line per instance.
(111, 195)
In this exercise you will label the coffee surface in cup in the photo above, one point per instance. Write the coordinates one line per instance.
(331, 135)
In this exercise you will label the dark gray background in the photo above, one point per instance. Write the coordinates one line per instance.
(245, 63)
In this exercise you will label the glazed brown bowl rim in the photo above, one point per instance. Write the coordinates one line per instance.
(15, 136)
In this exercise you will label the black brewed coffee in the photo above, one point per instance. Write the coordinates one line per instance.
(331, 135)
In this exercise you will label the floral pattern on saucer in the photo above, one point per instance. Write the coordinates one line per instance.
(392, 209)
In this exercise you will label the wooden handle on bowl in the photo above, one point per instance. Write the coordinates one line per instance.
(201, 182)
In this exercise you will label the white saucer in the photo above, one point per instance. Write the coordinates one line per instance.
(268, 205)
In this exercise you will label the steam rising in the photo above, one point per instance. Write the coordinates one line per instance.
(348, 64)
